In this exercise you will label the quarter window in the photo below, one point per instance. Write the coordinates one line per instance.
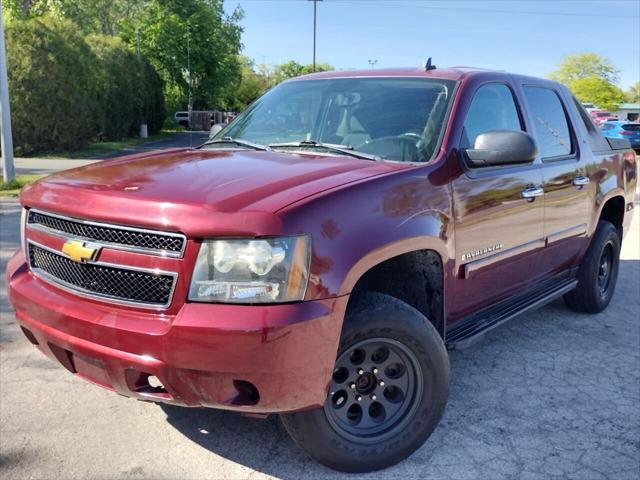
(492, 108)
(550, 122)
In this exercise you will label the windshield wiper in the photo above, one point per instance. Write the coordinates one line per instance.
(332, 147)
(235, 141)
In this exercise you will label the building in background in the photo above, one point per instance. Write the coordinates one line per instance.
(628, 111)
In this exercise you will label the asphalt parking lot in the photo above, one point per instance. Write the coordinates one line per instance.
(553, 394)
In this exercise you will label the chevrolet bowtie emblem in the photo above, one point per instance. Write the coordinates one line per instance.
(78, 252)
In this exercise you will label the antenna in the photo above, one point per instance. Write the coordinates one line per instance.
(428, 66)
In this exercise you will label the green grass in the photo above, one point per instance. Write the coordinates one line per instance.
(12, 188)
(99, 149)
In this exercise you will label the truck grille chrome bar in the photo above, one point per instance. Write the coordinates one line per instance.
(132, 239)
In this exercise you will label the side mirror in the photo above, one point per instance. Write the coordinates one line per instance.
(502, 147)
(214, 130)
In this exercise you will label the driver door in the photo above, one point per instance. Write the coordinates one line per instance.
(498, 232)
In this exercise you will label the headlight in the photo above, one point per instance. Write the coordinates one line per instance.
(269, 270)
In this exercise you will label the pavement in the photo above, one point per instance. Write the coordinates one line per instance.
(46, 166)
(552, 394)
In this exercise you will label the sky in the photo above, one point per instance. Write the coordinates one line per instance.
(527, 37)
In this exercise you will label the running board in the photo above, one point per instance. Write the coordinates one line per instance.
(466, 331)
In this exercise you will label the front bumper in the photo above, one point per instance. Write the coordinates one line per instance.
(253, 359)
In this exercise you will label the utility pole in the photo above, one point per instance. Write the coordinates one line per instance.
(8, 172)
(189, 68)
(315, 5)
(372, 63)
(144, 129)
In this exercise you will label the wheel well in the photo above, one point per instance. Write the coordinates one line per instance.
(613, 211)
(416, 278)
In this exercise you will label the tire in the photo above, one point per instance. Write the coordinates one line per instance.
(412, 400)
(597, 282)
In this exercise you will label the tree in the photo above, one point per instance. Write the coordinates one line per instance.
(591, 78)
(597, 91)
(292, 69)
(193, 44)
(632, 95)
(585, 65)
(97, 16)
(251, 85)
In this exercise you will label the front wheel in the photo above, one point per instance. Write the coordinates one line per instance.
(388, 390)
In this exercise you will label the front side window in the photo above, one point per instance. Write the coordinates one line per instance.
(492, 108)
(396, 119)
(550, 122)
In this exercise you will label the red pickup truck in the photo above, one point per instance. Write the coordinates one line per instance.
(319, 255)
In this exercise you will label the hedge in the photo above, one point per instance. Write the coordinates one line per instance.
(67, 90)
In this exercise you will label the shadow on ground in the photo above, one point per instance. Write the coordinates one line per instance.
(544, 394)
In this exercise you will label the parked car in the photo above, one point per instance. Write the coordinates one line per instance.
(182, 118)
(625, 130)
(600, 117)
(318, 256)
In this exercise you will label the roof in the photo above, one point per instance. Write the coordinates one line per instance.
(629, 106)
(450, 73)
(453, 73)
(621, 122)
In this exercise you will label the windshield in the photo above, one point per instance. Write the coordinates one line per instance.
(603, 114)
(391, 118)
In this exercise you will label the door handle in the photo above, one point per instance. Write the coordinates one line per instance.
(531, 193)
(580, 181)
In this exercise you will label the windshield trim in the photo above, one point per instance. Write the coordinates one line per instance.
(445, 118)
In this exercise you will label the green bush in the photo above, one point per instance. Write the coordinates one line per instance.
(131, 89)
(121, 105)
(67, 90)
(153, 100)
(53, 85)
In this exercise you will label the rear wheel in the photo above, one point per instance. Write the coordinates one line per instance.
(598, 273)
(388, 390)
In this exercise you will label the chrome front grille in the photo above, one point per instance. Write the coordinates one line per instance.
(114, 283)
(114, 236)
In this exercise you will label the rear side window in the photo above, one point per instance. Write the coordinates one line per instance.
(550, 122)
(492, 108)
(632, 127)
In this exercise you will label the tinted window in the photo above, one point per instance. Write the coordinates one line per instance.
(492, 108)
(550, 122)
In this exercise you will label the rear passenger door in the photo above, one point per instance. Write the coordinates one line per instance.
(498, 232)
(565, 180)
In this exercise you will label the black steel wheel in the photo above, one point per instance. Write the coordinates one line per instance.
(598, 272)
(605, 268)
(374, 389)
(387, 392)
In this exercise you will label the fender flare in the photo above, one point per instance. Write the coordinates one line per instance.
(388, 251)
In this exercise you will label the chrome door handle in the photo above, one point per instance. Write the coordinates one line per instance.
(581, 181)
(532, 192)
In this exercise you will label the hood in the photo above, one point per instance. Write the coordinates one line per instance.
(197, 191)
